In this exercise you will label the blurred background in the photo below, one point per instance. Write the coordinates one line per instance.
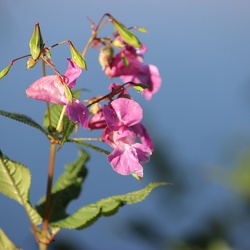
(199, 122)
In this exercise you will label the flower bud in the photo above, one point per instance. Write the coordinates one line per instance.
(105, 56)
(5, 71)
(117, 43)
(68, 93)
(126, 35)
(77, 57)
(31, 63)
(36, 42)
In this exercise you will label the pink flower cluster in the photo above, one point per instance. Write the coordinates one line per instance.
(121, 123)
(135, 71)
(120, 119)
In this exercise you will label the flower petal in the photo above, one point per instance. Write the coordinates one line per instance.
(150, 76)
(72, 73)
(125, 162)
(142, 133)
(47, 88)
(77, 112)
(128, 111)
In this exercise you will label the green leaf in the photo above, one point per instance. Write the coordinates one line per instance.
(24, 119)
(84, 217)
(15, 180)
(87, 215)
(126, 35)
(55, 113)
(85, 144)
(67, 188)
(5, 242)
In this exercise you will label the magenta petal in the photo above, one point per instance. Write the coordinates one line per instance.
(77, 112)
(72, 73)
(111, 118)
(150, 76)
(97, 121)
(117, 67)
(143, 152)
(154, 82)
(47, 88)
(125, 162)
(142, 133)
(128, 111)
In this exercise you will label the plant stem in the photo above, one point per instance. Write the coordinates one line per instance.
(44, 239)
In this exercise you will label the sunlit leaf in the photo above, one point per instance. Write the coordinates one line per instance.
(87, 215)
(15, 181)
(5, 242)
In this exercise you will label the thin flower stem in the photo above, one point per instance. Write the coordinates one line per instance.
(45, 225)
(94, 34)
(45, 238)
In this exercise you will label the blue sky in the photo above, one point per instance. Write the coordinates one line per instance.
(202, 49)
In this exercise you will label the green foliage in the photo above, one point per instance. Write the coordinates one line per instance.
(5, 242)
(15, 180)
(87, 215)
(24, 119)
(67, 188)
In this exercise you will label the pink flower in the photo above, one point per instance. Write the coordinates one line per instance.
(128, 154)
(123, 118)
(135, 71)
(51, 89)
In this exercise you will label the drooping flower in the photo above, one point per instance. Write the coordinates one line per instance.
(123, 118)
(51, 89)
(127, 155)
(135, 71)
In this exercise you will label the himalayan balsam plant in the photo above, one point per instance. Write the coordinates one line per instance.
(116, 114)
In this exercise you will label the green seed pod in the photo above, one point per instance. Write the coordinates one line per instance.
(36, 42)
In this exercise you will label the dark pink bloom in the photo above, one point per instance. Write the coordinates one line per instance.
(142, 133)
(51, 89)
(135, 71)
(122, 111)
(128, 154)
(123, 118)
(97, 121)
(149, 75)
